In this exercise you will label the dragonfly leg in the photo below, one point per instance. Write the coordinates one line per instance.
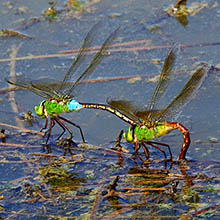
(63, 126)
(162, 144)
(136, 147)
(45, 125)
(50, 129)
(146, 151)
(77, 126)
(155, 146)
(118, 140)
(46, 132)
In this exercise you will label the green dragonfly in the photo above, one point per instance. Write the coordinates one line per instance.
(58, 98)
(149, 123)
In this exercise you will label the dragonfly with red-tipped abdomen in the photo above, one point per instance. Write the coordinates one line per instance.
(150, 123)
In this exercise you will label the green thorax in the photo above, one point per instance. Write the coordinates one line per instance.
(52, 107)
(142, 133)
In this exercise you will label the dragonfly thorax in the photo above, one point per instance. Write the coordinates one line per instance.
(145, 132)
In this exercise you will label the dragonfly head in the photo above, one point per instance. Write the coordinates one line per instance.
(129, 135)
(39, 110)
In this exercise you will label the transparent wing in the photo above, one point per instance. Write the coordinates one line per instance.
(96, 60)
(186, 94)
(164, 79)
(26, 83)
(148, 115)
(90, 37)
(136, 111)
(48, 86)
(133, 110)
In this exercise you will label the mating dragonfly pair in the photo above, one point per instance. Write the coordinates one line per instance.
(145, 124)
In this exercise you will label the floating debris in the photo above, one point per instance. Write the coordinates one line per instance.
(75, 5)
(180, 11)
(213, 139)
(11, 33)
(51, 12)
(2, 135)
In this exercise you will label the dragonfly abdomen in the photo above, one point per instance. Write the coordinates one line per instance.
(109, 109)
(186, 136)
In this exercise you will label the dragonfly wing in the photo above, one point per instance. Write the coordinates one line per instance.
(134, 111)
(164, 79)
(148, 115)
(90, 37)
(187, 93)
(26, 83)
(47, 86)
(126, 107)
(96, 60)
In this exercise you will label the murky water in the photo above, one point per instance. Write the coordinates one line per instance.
(96, 181)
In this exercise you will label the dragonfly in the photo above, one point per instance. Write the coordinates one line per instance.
(58, 98)
(151, 123)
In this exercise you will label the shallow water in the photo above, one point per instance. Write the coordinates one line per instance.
(97, 182)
